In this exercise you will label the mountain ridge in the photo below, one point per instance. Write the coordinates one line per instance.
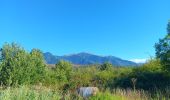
(84, 58)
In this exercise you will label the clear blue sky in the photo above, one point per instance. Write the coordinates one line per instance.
(122, 28)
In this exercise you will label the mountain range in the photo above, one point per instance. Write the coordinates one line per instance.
(87, 59)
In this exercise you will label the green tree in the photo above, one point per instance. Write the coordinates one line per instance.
(163, 50)
(13, 57)
(38, 65)
(63, 70)
(19, 66)
(106, 66)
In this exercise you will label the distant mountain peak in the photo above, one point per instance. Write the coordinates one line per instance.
(85, 53)
(84, 58)
(80, 54)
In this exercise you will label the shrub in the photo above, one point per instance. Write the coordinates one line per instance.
(106, 66)
(63, 71)
(149, 76)
(19, 66)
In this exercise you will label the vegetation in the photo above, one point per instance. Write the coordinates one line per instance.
(20, 67)
(25, 75)
(50, 93)
(163, 50)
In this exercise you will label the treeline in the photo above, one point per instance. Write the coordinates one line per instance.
(20, 67)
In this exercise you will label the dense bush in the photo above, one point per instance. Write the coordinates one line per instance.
(63, 71)
(149, 76)
(106, 66)
(82, 77)
(20, 67)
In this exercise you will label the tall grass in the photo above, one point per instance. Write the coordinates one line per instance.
(26, 93)
(44, 93)
(106, 96)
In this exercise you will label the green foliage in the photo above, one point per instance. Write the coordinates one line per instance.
(26, 93)
(38, 66)
(105, 96)
(149, 76)
(19, 66)
(49, 93)
(106, 66)
(63, 71)
(82, 77)
(103, 78)
(163, 50)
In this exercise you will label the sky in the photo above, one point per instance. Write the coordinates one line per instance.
(123, 28)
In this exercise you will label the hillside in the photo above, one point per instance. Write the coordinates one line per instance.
(87, 59)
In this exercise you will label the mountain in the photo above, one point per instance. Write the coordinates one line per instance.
(87, 59)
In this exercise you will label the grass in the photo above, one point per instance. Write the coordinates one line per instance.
(44, 93)
(105, 96)
(26, 93)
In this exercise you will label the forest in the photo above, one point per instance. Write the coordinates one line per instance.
(24, 75)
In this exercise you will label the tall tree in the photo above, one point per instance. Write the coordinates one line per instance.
(163, 49)
(38, 65)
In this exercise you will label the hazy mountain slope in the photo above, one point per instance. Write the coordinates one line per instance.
(86, 59)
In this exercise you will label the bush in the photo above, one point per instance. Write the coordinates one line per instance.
(20, 67)
(106, 66)
(63, 71)
(82, 77)
(149, 76)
